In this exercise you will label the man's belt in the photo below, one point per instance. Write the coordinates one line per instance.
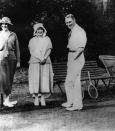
(72, 51)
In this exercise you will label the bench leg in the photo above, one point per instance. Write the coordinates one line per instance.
(60, 88)
(1, 100)
(82, 92)
(96, 83)
(106, 84)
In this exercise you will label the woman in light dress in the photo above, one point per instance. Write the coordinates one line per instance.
(9, 59)
(40, 67)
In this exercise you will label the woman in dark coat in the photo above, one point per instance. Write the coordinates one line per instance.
(9, 59)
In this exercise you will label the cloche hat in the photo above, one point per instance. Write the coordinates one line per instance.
(37, 26)
(6, 20)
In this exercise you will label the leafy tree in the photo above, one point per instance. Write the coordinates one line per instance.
(99, 26)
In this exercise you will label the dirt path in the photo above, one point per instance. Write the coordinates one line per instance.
(99, 116)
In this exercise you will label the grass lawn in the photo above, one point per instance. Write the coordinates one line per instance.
(20, 92)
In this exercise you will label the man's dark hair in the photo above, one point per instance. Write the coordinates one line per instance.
(70, 16)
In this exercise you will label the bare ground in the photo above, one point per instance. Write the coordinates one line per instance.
(97, 114)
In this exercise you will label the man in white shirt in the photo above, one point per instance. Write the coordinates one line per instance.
(76, 44)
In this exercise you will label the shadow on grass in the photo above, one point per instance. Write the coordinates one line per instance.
(29, 107)
(53, 102)
(97, 107)
(50, 105)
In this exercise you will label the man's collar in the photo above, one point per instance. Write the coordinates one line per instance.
(74, 27)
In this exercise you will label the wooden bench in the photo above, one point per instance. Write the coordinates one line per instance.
(96, 73)
(109, 63)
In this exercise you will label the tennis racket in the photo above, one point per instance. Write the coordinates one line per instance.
(92, 90)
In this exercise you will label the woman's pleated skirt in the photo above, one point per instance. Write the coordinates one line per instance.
(40, 78)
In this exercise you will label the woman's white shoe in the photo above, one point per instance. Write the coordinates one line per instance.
(13, 102)
(36, 101)
(8, 104)
(43, 103)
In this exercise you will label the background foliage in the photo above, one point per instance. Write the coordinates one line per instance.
(99, 26)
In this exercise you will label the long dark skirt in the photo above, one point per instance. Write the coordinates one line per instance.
(4, 78)
(12, 68)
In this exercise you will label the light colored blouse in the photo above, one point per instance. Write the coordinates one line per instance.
(38, 47)
(3, 45)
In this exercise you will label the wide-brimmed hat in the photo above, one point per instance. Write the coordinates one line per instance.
(37, 26)
(5, 20)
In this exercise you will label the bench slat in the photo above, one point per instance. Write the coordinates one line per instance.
(96, 72)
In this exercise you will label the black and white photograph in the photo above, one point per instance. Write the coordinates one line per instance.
(57, 65)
